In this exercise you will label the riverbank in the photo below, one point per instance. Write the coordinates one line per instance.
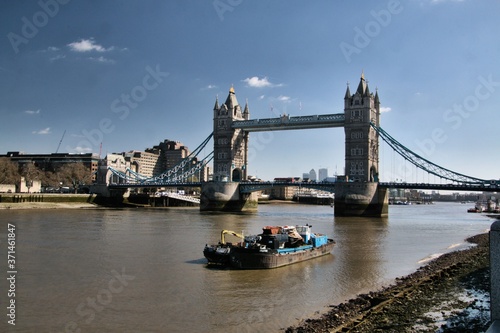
(449, 294)
(46, 205)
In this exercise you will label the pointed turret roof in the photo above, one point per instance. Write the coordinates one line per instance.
(231, 100)
(377, 101)
(216, 106)
(347, 92)
(367, 90)
(246, 110)
(362, 84)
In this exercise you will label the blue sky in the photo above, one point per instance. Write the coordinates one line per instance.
(130, 74)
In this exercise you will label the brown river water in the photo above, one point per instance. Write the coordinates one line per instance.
(143, 270)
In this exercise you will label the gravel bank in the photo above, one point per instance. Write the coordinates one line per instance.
(46, 205)
(449, 294)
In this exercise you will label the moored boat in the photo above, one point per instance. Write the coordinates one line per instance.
(276, 246)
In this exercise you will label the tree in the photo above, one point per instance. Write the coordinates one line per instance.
(74, 175)
(9, 172)
(30, 173)
(49, 179)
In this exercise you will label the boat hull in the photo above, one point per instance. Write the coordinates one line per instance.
(254, 258)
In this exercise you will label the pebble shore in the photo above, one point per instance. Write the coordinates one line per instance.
(449, 294)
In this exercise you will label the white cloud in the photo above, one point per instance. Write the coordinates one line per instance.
(385, 109)
(57, 57)
(32, 111)
(210, 86)
(282, 98)
(87, 45)
(261, 97)
(103, 60)
(256, 82)
(43, 131)
(82, 150)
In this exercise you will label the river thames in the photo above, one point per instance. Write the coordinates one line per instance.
(143, 270)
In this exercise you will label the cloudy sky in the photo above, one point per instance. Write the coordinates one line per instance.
(130, 74)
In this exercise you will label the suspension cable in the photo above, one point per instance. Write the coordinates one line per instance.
(423, 163)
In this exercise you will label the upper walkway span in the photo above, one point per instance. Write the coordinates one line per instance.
(286, 122)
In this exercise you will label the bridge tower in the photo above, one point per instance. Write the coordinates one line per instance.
(359, 195)
(361, 140)
(230, 145)
(230, 160)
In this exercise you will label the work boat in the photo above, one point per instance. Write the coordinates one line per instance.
(276, 246)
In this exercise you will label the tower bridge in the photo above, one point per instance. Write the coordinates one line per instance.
(232, 125)
(360, 193)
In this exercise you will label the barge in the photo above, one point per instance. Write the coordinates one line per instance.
(275, 247)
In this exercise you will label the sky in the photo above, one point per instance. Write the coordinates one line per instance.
(114, 76)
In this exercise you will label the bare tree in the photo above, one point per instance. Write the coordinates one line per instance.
(50, 179)
(75, 175)
(30, 173)
(9, 173)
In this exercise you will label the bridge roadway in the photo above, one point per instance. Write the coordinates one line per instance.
(248, 187)
(445, 187)
(154, 185)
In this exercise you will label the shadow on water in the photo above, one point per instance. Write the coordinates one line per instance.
(200, 261)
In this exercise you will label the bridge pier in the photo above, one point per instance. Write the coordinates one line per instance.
(361, 199)
(226, 196)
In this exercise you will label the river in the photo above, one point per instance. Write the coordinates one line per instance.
(142, 270)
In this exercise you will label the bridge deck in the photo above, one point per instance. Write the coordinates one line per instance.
(247, 187)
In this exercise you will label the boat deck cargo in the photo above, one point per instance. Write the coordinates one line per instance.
(276, 246)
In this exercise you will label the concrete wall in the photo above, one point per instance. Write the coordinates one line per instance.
(495, 270)
(7, 188)
(360, 199)
(220, 196)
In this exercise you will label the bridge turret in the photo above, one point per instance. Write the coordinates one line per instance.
(246, 111)
(347, 97)
(362, 85)
(216, 106)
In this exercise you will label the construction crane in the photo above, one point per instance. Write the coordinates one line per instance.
(60, 141)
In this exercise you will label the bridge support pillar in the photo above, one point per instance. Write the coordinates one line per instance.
(360, 199)
(225, 196)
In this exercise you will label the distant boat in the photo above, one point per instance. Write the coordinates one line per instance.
(478, 208)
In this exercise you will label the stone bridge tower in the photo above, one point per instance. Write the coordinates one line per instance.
(361, 140)
(360, 195)
(230, 145)
(230, 161)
